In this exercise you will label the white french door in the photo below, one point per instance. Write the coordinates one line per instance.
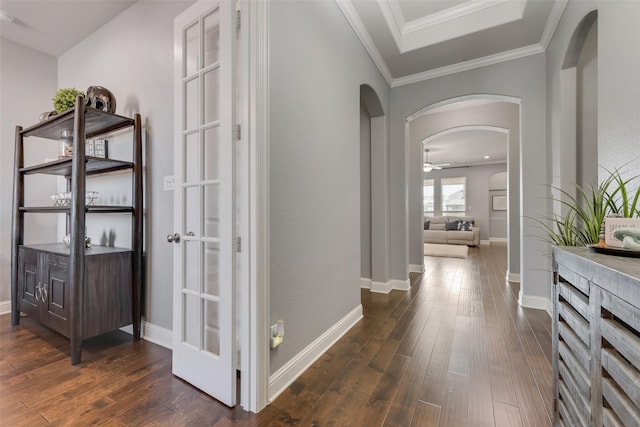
(204, 329)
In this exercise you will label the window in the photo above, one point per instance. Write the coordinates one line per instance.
(428, 197)
(453, 196)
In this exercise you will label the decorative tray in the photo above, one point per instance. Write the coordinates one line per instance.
(609, 250)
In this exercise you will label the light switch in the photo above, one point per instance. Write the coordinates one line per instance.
(168, 183)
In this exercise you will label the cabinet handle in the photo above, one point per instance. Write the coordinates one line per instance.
(45, 294)
(38, 291)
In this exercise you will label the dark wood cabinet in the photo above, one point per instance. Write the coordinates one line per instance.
(77, 291)
(596, 339)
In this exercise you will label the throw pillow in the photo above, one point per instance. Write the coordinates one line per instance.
(465, 225)
(426, 225)
(453, 225)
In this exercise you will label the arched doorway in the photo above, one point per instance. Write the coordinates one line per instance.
(500, 112)
(374, 195)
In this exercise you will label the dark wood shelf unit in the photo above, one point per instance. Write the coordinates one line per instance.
(77, 291)
(97, 123)
(62, 167)
(67, 209)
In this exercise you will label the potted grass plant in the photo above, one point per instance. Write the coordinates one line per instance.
(588, 208)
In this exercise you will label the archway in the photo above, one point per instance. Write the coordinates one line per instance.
(374, 195)
(576, 159)
(500, 113)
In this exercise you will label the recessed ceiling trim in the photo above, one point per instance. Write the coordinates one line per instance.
(469, 65)
(358, 27)
(457, 21)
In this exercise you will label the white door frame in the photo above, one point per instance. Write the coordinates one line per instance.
(254, 282)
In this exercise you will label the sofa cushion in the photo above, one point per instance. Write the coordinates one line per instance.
(465, 225)
(452, 225)
(439, 227)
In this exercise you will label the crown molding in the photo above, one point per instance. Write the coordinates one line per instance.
(454, 22)
(469, 65)
(358, 27)
(552, 22)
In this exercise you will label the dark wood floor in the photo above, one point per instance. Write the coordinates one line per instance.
(456, 350)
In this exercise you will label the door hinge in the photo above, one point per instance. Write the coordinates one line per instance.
(238, 244)
(238, 20)
(238, 132)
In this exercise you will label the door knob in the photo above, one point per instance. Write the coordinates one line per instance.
(173, 238)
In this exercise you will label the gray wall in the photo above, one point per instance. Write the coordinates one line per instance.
(365, 193)
(587, 111)
(477, 192)
(498, 220)
(522, 78)
(618, 91)
(27, 84)
(132, 55)
(316, 67)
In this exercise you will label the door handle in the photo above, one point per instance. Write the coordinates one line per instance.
(175, 237)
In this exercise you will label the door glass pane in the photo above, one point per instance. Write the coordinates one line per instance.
(191, 320)
(211, 214)
(212, 95)
(192, 156)
(192, 265)
(211, 257)
(192, 46)
(192, 111)
(211, 327)
(192, 210)
(211, 146)
(211, 38)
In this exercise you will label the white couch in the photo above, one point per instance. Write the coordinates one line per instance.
(436, 231)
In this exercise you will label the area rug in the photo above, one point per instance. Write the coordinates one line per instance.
(450, 251)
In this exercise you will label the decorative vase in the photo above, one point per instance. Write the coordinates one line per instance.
(65, 144)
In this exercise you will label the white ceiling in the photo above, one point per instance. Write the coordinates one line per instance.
(409, 40)
(414, 40)
(55, 26)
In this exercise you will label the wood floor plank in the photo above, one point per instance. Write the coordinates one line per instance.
(426, 415)
(455, 405)
(507, 415)
(454, 350)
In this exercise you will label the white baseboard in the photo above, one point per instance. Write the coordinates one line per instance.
(283, 377)
(153, 333)
(150, 332)
(365, 283)
(498, 240)
(513, 277)
(400, 285)
(5, 307)
(485, 242)
(416, 268)
(381, 287)
(539, 303)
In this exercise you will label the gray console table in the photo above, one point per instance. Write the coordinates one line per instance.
(596, 338)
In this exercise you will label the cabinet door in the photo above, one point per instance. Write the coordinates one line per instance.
(28, 281)
(55, 306)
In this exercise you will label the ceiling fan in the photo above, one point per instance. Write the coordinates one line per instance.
(427, 166)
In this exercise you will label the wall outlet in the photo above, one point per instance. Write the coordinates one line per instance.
(168, 182)
(277, 334)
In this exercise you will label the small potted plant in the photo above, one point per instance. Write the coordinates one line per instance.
(65, 99)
